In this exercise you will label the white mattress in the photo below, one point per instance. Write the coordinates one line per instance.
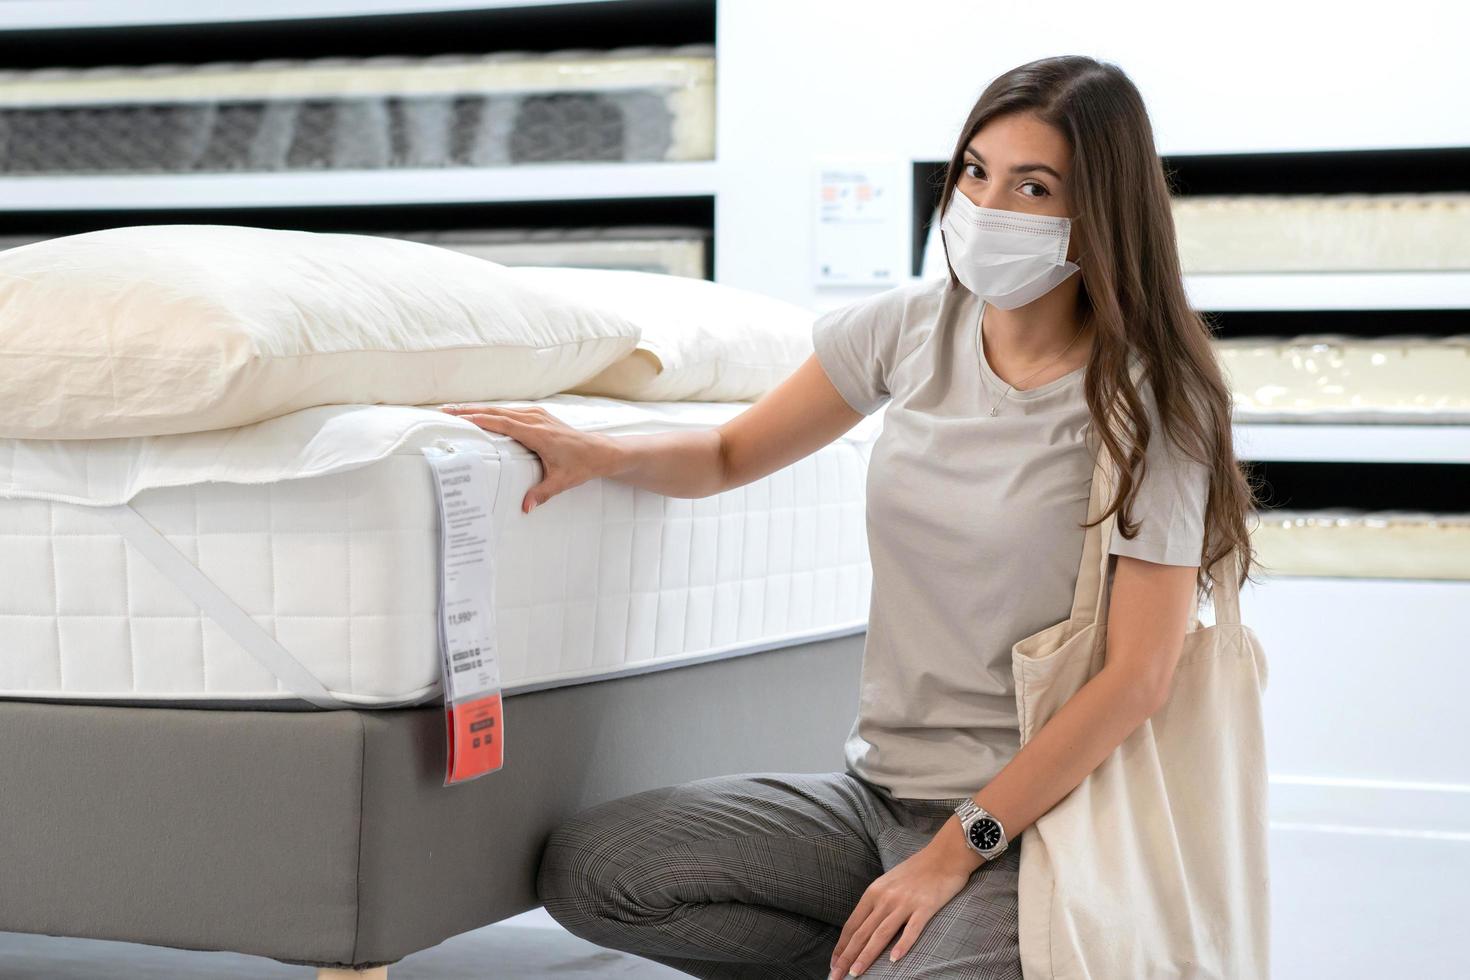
(1338, 378)
(323, 527)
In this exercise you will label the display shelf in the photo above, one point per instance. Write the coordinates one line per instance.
(21, 15)
(1352, 443)
(1329, 291)
(532, 182)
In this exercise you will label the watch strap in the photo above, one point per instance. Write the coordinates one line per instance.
(969, 811)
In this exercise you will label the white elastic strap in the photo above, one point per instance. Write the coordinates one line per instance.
(219, 607)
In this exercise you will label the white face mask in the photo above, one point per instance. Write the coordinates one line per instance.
(1007, 258)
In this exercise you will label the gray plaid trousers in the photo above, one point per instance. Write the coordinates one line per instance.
(752, 876)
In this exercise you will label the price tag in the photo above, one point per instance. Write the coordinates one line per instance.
(470, 671)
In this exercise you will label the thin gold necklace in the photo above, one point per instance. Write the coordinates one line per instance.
(980, 326)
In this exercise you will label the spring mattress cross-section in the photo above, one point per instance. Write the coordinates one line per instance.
(323, 527)
(625, 104)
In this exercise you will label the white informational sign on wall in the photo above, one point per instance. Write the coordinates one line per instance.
(860, 229)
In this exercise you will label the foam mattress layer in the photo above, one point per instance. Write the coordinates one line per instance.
(1337, 378)
(670, 250)
(341, 567)
(1364, 544)
(1323, 232)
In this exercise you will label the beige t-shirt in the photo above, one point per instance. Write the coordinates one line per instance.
(973, 530)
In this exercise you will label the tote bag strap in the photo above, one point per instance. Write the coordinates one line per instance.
(1226, 595)
(1089, 602)
(1089, 599)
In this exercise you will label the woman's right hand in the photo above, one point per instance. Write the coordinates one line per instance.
(569, 456)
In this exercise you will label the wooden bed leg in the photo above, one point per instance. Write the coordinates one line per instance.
(371, 973)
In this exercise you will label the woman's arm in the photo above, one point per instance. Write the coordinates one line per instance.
(797, 417)
(1148, 612)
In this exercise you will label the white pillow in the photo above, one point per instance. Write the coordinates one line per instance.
(700, 341)
(160, 329)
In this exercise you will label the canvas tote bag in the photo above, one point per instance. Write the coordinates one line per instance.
(1154, 866)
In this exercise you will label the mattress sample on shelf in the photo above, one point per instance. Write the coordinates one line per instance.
(1339, 378)
(323, 527)
(624, 104)
(670, 250)
(1364, 544)
(1323, 232)
(674, 250)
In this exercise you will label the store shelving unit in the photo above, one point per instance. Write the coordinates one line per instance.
(1361, 764)
(546, 195)
(545, 182)
(1325, 291)
(1330, 302)
(1353, 443)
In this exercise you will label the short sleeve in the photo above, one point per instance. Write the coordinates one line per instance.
(1169, 507)
(857, 345)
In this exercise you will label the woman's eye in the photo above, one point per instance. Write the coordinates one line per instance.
(973, 170)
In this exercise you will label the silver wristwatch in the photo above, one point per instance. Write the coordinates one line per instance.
(983, 832)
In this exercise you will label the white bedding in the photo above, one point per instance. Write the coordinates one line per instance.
(323, 527)
(166, 329)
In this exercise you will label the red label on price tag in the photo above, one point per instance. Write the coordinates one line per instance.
(474, 738)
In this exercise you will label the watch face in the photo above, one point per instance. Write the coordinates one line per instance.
(985, 833)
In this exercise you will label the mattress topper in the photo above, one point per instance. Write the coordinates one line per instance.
(315, 442)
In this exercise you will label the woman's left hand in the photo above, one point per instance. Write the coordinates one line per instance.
(906, 897)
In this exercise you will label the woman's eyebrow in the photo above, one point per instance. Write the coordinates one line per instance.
(1019, 168)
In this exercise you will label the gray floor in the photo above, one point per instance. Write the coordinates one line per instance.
(526, 946)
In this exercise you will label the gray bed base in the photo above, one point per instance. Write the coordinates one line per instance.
(327, 838)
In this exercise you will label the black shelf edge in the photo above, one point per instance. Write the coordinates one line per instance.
(540, 28)
(1435, 487)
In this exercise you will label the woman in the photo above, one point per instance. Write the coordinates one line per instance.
(997, 377)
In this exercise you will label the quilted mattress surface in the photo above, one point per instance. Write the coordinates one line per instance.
(323, 527)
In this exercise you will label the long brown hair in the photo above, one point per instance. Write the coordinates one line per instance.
(1132, 288)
